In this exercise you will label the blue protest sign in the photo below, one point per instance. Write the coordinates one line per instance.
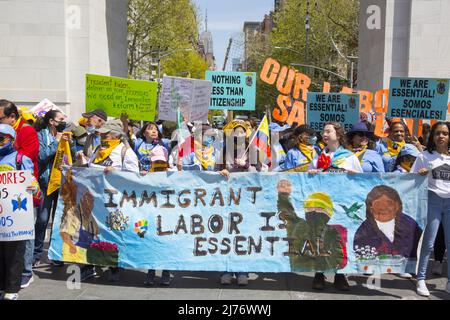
(332, 107)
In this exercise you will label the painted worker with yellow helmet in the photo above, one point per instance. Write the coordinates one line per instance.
(314, 245)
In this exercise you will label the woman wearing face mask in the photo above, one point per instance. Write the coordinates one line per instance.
(148, 138)
(303, 153)
(49, 137)
(362, 145)
(435, 162)
(238, 160)
(406, 158)
(204, 156)
(334, 158)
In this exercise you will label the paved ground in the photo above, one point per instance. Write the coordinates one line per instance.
(50, 283)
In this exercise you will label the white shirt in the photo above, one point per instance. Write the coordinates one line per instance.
(439, 175)
(129, 162)
(387, 228)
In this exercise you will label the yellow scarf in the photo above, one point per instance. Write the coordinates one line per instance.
(360, 153)
(204, 156)
(106, 147)
(307, 151)
(394, 147)
(406, 165)
(16, 125)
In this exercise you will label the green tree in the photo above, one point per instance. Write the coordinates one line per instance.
(333, 34)
(166, 29)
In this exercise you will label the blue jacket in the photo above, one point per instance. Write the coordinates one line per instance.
(47, 151)
(8, 162)
(295, 158)
(143, 150)
(372, 162)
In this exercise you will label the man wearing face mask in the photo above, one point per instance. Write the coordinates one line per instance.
(96, 119)
(303, 153)
(80, 135)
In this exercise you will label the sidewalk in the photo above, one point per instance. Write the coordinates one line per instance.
(50, 283)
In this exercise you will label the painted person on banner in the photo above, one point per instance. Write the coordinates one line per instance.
(334, 158)
(78, 227)
(315, 244)
(12, 252)
(361, 143)
(113, 153)
(387, 231)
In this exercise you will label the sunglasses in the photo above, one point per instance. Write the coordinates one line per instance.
(3, 138)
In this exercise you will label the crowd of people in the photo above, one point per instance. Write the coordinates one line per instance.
(96, 140)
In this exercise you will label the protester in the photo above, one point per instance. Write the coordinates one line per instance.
(158, 163)
(390, 149)
(112, 154)
(303, 152)
(334, 158)
(49, 136)
(238, 159)
(435, 162)
(79, 135)
(406, 158)
(12, 253)
(361, 143)
(96, 119)
(148, 138)
(26, 143)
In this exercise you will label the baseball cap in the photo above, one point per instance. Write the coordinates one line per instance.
(78, 131)
(159, 153)
(114, 126)
(409, 150)
(6, 129)
(97, 112)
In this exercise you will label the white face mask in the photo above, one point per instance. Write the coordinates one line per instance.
(82, 141)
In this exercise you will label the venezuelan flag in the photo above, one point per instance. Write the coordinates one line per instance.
(262, 138)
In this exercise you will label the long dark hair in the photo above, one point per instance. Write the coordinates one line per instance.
(379, 191)
(431, 146)
(43, 122)
(146, 125)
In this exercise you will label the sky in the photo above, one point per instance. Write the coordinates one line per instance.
(226, 18)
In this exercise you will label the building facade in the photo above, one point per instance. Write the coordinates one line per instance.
(47, 47)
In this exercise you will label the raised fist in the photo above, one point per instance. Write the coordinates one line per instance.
(284, 186)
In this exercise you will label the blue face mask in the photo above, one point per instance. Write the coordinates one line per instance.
(208, 141)
(6, 149)
(312, 140)
(90, 130)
